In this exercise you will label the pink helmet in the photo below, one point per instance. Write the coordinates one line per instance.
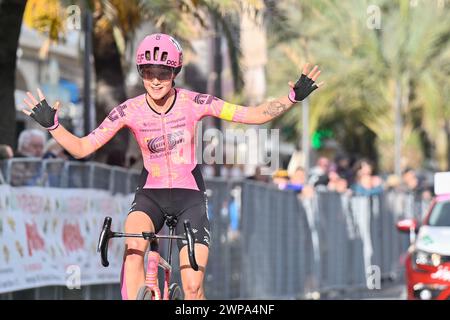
(160, 49)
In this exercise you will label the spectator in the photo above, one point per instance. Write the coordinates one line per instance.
(319, 173)
(428, 193)
(229, 170)
(297, 180)
(280, 178)
(336, 182)
(257, 176)
(19, 175)
(307, 192)
(31, 143)
(410, 181)
(225, 170)
(233, 211)
(236, 171)
(343, 168)
(53, 150)
(412, 184)
(393, 183)
(52, 174)
(208, 170)
(366, 184)
(6, 152)
(342, 186)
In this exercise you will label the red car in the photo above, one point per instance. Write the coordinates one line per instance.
(427, 263)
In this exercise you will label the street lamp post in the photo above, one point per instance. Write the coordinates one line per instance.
(305, 135)
(218, 87)
(87, 114)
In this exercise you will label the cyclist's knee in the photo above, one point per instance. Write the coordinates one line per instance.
(193, 290)
(134, 253)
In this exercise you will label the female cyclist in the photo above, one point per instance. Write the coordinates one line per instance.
(163, 120)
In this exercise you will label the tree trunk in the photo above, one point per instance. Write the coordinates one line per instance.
(110, 83)
(11, 12)
(447, 135)
(441, 148)
(398, 129)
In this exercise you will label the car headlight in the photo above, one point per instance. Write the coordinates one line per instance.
(426, 258)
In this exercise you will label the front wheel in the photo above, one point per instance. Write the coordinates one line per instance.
(145, 293)
(175, 292)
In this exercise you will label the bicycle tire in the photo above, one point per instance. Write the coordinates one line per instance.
(175, 292)
(145, 293)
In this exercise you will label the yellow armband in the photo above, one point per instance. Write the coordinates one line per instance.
(228, 111)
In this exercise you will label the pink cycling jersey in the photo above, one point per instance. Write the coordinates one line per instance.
(166, 140)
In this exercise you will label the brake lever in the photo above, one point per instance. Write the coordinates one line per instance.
(103, 241)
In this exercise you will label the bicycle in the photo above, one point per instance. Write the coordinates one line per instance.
(150, 290)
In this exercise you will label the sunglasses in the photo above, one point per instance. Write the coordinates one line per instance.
(161, 73)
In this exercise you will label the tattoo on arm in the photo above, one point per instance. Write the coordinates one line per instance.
(275, 108)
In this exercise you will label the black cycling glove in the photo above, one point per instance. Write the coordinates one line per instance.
(303, 87)
(45, 115)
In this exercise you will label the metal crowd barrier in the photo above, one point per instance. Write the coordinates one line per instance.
(291, 248)
(68, 174)
(265, 243)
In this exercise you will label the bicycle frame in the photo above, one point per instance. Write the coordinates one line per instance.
(154, 260)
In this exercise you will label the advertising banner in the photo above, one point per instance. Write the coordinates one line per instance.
(49, 236)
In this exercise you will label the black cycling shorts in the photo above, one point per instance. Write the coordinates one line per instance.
(181, 203)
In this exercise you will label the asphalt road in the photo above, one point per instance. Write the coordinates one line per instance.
(390, 290)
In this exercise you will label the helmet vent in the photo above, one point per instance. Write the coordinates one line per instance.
(148, 55)
(164, 56)
(155, 53)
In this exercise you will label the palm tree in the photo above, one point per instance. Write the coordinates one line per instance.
(112, 21)
(114, 24)
(369, 71)
(11, 13)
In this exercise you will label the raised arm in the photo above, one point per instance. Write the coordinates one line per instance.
(79, 148)
(264, 112)
(269, 110)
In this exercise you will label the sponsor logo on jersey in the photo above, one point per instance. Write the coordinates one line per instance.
(157, 145)
(150, 130)
(177, 120)
(204, 98)
(117, 112)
